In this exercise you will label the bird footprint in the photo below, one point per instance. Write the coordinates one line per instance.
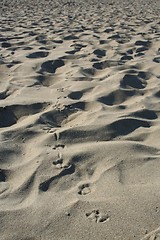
(96, 216)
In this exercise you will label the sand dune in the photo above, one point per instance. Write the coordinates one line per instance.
(79, 120)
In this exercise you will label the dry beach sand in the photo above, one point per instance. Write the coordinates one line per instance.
(79, 120)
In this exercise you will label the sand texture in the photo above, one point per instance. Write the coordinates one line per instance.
(80, 120)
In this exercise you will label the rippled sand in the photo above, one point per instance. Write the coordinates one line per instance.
(79, 120)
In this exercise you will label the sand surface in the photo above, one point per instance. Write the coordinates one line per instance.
(79, 120)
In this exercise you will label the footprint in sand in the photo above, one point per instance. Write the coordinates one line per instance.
(59, 163)
(59, 147)
(97, 216)
(65, 170)
(84, 189)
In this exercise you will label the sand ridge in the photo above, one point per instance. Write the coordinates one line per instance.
(79, 120)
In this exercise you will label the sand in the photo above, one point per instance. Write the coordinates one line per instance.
(79, 120)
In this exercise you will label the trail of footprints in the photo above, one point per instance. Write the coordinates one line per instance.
(83, 189)
(66, 169)
(95, 216)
